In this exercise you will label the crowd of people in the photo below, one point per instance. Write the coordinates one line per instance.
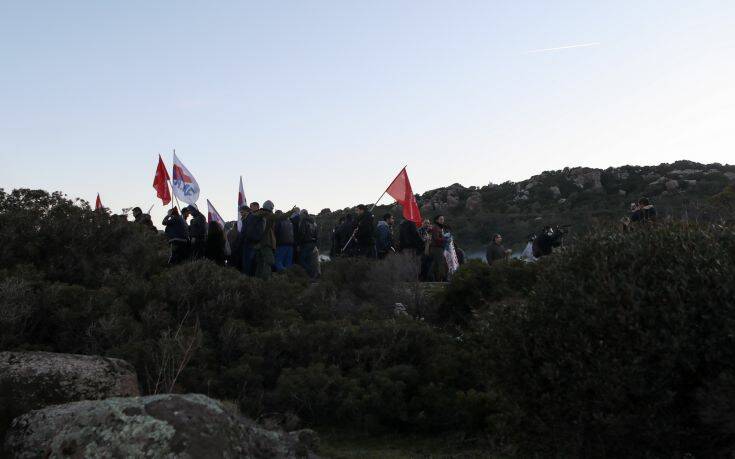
(264, 241)
(432, 244)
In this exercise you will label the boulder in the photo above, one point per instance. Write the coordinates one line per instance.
(622, 192)
(555, 191)
(590, 180)
(672, 185)
(168, 425)
(474, 201)
(33, 380)
(730, 176)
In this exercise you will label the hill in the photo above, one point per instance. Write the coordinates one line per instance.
(581, 197)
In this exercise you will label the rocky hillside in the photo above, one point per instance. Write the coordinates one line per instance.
(578, 196)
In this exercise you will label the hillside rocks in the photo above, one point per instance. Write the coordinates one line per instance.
(32, 380)
(170, 425)
(474, 201)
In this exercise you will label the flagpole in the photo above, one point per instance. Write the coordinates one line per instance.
(172, 189)
(375, 204)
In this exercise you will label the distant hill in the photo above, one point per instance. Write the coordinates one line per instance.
(578, 196)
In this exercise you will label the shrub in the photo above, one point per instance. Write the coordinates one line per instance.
(625, 346)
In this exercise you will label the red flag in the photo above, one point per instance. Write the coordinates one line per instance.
(160, 182)
(98, 203)
(400, 190)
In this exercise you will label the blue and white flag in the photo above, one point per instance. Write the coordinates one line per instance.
(184, 185)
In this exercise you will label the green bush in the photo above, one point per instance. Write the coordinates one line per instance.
(624, 348)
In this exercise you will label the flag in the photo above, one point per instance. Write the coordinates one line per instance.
(184, 185)
(400, 190)
(213, 215)
(241, 201)
(98, 203)
(160, 182)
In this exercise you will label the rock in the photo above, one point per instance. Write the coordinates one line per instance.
(591, 180)
(168, 425)
(562, 201)
(690, 183)
(452, 199)
(622, 192)
(555, 191)
(685, 172)
(659, 181)
(33, 380)
(672, 185)
(474, 201)
(730, 176)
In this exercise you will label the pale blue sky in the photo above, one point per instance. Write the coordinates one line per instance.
(320, 103)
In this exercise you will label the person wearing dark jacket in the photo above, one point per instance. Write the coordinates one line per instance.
(295, 220)
(214, 248)
(436, 251)
(266, 245)
(384, 230)
(344, 233)
(365, 232)
(644, 212)
(307, 236)
(143, 219)
(335, 243)
(409, 238)
(496, 251)
(250, 234)
(197, 230)
(284, 242)
(178, 236)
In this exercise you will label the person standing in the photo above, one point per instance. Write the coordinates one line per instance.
(250, 235)
(284, 242)
(409, 238)
(178, 236)
(496, 250)
(197, 230)
(365, 232)
(307, 237)
(425, 275)
(384, 230)
(214, 248)
(438, 261)
(265, 246)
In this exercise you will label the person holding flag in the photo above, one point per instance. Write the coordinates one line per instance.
(178, 236)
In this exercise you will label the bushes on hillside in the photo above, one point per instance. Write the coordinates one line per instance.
(625, 346)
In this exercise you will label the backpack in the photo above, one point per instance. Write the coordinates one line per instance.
(255, 229)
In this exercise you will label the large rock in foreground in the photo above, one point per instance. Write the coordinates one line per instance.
(32, 380)
(166, 425)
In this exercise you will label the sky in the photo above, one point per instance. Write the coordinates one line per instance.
(320, 103)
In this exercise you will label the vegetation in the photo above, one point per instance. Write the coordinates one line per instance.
(580, 197)
(621, 345)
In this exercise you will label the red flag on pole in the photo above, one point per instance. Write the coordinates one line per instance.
(98, 203)
(160, 182)
(400, 190)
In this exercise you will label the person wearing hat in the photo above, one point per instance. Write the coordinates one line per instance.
(197, 230)
(265, 247)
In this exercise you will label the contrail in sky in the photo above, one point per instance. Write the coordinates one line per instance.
(581, 45)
